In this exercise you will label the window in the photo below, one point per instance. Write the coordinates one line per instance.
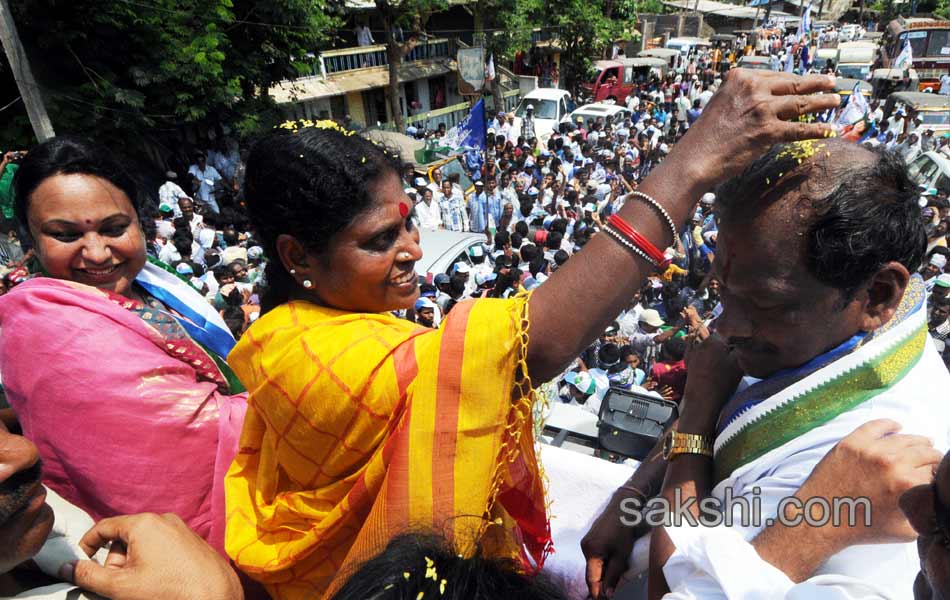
(943, 184)
(628, 75)
(922, 170)
(918, 42)
(936, 117)
(543, 109)
(939, 43)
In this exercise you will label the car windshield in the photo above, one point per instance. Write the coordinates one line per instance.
(854, 71)
(543, 109)
(455, 166)
(937, 117)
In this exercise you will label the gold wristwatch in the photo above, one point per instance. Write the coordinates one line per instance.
(676, 443)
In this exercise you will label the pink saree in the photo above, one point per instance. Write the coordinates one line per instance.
(129, 413)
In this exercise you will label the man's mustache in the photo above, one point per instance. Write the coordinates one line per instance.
(17, 491)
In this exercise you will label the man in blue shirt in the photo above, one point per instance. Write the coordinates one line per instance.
(478, 209)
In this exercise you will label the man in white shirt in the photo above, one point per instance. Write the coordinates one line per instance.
(436, 184)
(428, 213)
(170, 193)
(364, 37)
(204, 176)
(944, 85)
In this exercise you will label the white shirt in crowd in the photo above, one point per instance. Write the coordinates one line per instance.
(206, 179)
(170, 193)
(364, 37)
(429, 215)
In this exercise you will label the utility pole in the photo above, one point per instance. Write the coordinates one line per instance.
(23, 75)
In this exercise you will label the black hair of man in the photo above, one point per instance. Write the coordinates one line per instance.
(502, 239)
(674, 349)
(869, 217)
(472, 576)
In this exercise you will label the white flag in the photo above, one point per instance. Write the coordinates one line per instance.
(806, 21)
(856, 109)
(490, 70)
(905, 59)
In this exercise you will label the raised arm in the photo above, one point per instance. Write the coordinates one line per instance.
(712, 151)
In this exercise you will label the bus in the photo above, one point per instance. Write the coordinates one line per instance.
(929, 43)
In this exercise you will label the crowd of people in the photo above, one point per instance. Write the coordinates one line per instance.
(249, 351)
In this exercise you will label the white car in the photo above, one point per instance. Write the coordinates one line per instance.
(442, 249)
(550, 107)
(611, 113)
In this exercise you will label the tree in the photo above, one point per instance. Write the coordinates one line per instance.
(404, 24)
(584, 30)
(129, 70)
(507, 26)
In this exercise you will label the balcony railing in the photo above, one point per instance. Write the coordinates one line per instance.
(364, 57)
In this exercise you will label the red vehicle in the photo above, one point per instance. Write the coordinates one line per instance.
(615, 79)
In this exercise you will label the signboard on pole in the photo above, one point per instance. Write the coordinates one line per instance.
(471, 68)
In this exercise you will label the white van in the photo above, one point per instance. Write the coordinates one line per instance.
(931, 170)
(854, 60)
(550, 106)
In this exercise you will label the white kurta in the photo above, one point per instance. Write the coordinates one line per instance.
(712, 563)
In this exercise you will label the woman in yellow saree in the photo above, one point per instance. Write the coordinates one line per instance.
(361, 426)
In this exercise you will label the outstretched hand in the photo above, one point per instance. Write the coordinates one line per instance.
(751, 112)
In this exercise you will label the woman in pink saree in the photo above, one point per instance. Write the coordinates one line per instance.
(115, 366)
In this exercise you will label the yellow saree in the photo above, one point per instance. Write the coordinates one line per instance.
(363, 426)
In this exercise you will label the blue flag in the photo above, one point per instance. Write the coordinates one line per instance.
(806, 21)
(469, 134)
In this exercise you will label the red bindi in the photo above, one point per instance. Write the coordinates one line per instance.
(403, 209)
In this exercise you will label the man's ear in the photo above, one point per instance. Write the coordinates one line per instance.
(884, 294)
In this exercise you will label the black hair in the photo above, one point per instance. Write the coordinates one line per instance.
(69, 155)
(554, 240)
(870, 216)
(516, 239)
(221, 272)
(502, 239)
(608, 355)
(529, 252)
(675, 348)
(453, 577)
(182, 244)
(311, 185)
(234, 318)
(560, 257)
(521, 228)
(626, 351)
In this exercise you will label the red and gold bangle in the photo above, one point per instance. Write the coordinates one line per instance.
(634, 236)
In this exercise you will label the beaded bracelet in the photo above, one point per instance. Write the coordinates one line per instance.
(629, 245)
(659, 260)
(660, 209)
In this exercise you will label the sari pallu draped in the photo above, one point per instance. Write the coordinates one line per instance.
(364, 426)
(128, 412)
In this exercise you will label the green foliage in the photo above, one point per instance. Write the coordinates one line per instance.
(943, 9)
(123, 69)
(585, 29)
(509, 24)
